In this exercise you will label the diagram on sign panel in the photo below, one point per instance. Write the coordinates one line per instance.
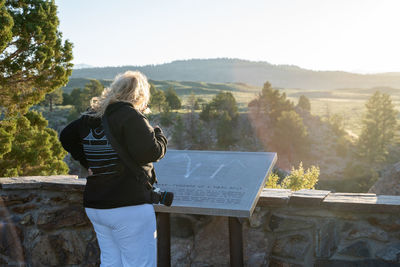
(191, 167)
(233, 163)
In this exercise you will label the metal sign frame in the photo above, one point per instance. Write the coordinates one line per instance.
(234, 223)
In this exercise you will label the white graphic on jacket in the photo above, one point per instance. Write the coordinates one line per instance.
(102, 158)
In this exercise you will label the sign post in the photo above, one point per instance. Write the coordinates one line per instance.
(235, 242)
(216, 183)
(164, 240)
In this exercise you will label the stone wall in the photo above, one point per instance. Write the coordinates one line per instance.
(42, 223)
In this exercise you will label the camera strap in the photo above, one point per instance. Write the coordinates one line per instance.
(141, 176)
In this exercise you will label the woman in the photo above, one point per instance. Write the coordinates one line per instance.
(116, 203)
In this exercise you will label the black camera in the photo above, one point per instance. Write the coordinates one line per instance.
(161, 197)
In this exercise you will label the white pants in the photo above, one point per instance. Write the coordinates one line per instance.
(127, 236)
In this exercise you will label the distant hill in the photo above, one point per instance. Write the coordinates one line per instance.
(80, 83)
(182, 88)
(225, 70)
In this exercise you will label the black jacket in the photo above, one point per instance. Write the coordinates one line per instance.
(112, 184)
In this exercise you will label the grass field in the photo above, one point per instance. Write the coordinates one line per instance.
(349, 103)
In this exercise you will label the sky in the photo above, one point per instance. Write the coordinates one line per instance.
(350, 35)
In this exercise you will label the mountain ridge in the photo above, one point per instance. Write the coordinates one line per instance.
(223, 70)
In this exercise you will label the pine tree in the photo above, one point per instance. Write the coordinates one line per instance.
(35, 150)
(221, 103)
(76, 99)
(8, 128)
(191, 121)
(33, 59)
(378, 129)
(67, 99)
(223, 111)
(33, 62)
(337, 123)
(94, 88)
(304, 103)
(178, 133)
(192, 102)
(80, 98)
(290, 135)
(273, 102)
(172, 98)
(225, 129)
(157, 100)
(55, 97)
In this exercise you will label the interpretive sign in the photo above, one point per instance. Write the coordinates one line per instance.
(217, 183)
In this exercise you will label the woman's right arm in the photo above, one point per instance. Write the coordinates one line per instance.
(144, 143)
(71, 141)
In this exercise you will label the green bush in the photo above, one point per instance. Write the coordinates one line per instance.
(296, 180)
